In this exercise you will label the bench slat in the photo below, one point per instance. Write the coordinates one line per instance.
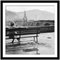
(22, 37)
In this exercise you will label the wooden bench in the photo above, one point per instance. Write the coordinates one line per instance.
(18, 38)
(13, 33)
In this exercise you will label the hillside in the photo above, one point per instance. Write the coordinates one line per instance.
(10, 16)
(37, 15)
(31, 15)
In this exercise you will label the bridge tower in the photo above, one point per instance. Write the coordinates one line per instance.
(25, 19)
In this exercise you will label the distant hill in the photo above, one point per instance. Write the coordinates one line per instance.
(31, 15)
(34, 17)
(37, 15)
(11, 16)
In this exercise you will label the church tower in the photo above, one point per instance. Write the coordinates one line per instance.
(25, 19)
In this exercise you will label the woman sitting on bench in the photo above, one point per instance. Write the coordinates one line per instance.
(12, 24)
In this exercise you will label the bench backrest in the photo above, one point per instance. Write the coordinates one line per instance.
(25, 31)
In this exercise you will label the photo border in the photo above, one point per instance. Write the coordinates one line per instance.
(30, 2)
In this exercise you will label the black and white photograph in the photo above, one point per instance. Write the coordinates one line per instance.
(30, 29)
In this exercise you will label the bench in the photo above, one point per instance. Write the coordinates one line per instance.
(16, 33)
(18, 38)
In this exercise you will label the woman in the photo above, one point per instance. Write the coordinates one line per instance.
(12, 25)
(12, 32)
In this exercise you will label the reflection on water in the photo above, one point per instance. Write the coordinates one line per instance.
(45, 46)
(22, 48)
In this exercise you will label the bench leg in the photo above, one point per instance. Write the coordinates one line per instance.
(13, 40)
(19, 39)
(36, 38)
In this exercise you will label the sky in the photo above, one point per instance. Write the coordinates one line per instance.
(21, 8)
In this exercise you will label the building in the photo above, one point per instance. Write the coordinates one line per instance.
(24, 19)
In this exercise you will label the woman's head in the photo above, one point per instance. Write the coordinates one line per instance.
(11, 24)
